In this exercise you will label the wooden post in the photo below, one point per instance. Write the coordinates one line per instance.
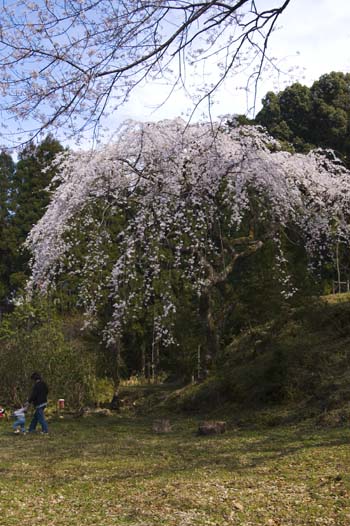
(338, 267)
(152, 362)
(154, 355)
(143, 359)
(199, 362)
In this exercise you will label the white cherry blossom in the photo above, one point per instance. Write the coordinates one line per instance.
(192, 198)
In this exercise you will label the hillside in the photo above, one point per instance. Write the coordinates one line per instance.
(294, 368)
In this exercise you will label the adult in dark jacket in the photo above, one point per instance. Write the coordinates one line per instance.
(38, 398)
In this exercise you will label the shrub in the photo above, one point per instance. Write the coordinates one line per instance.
(33, 339)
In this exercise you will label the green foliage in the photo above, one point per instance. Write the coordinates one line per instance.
(311, 117)
(28, 198)
(7, 168)
(302, 357)
(33, 338)
(23, 199)
(104, 390)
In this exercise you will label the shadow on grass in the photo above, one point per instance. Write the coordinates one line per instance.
(119, 448)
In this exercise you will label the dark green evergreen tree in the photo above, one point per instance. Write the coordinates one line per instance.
(27, 200)
(311, 117)
(330, 125)
(7, 168)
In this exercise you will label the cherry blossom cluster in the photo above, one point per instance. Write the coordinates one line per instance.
(183, 196)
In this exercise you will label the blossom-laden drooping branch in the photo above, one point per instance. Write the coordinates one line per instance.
(188, 201)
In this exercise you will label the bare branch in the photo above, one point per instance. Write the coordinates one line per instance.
(71, 63)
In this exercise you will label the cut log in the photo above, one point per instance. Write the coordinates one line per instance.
(161, 426)
(211, 428)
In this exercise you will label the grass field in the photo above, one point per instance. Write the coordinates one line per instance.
(116, 471)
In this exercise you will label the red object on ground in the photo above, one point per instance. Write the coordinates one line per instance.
(61, 403)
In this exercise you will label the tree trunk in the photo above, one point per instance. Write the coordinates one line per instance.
(143, 360)
(211, 344)
(115, 353)
(338, 266)
(238, 248)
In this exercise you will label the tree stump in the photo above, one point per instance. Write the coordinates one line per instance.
(211, 428)
(161, 426)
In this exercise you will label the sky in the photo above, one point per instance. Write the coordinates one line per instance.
(312, 38)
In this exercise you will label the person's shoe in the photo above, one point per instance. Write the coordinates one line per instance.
(16, 432)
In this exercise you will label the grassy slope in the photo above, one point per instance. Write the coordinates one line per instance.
(115, 471)
(301, 363)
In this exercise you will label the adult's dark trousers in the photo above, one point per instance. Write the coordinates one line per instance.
(38, 417)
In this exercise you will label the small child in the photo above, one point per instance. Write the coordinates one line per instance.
(20, 421)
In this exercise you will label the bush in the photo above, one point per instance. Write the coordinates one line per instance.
(33, 339)
(104, 391)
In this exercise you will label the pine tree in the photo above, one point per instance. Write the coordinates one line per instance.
(28, 198)
(7, 168)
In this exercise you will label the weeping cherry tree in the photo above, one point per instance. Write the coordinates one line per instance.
(190, 202)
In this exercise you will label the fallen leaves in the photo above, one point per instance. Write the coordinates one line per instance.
(96, 475)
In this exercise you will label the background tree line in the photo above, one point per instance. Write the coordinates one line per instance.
(315, 117)
(24, 196)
